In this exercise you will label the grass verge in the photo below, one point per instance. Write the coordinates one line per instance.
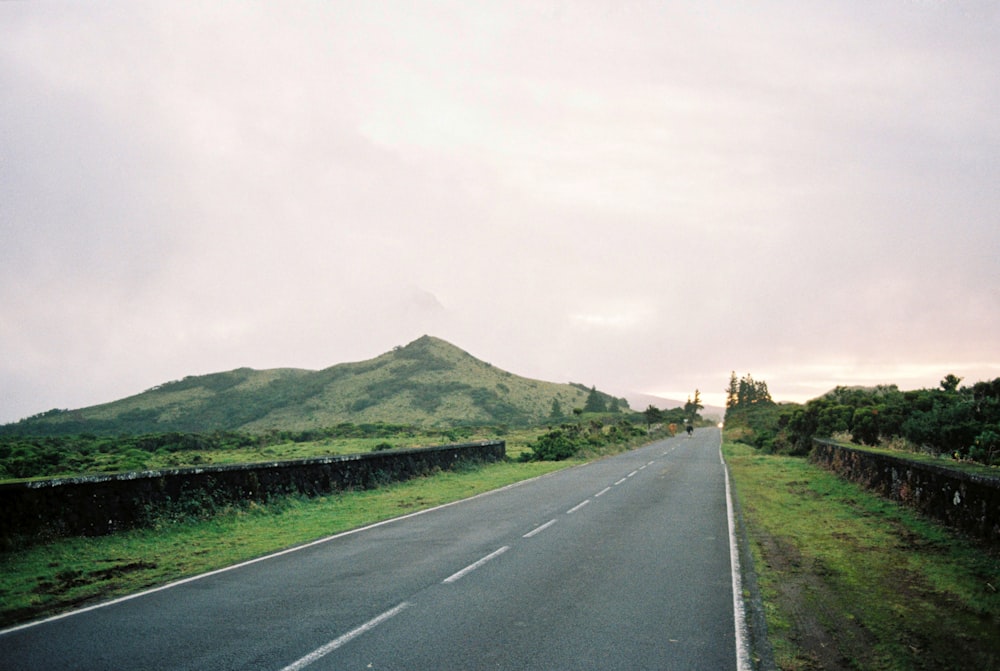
(853, 581)
(74, 572)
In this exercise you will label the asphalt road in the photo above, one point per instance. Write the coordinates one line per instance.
(623, 563)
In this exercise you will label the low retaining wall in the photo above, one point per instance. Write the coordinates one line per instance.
(102, 504)
(968, 502)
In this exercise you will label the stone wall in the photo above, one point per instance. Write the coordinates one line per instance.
(965, 501)
(101, 504)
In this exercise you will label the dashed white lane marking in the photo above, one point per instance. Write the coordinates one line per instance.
(602, 492)
(538, 530)
(631, 474)
(577, 507)
(338, 642)
(472, 567)
(621, 481)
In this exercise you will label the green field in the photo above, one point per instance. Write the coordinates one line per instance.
(853, 581)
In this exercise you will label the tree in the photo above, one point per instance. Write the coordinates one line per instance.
(653, 415)
(595, 402)
(950, 383)
(691, 408)
(750, 391)
(733, 392)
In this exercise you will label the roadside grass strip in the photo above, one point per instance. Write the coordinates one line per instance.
(853, 581)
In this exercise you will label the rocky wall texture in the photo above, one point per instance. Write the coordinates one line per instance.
(101, 504)
(965, 501)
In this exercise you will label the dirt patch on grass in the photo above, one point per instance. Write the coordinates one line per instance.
(829, 624)
(827, 636)
(68, 579)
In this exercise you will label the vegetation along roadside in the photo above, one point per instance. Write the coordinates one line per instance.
(850, 580)
(60, 574)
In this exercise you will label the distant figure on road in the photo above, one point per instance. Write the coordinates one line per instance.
(690, 430)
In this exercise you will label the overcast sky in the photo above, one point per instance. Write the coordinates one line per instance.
(641, 196)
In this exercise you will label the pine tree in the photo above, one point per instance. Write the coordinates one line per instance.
(691, 408)
(733, 392)
(595, 402)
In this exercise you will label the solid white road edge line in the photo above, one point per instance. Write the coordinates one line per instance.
(739, 618)
(538, 530)
(338, 642)
(472, 567)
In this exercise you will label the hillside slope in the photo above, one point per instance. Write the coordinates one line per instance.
(429, 382)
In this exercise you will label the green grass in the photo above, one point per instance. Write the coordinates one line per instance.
(854, 581)
(50, 578)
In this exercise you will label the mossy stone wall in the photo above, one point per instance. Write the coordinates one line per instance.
(101, 504)
(965, 501)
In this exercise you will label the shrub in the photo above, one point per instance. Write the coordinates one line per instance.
(554, 446)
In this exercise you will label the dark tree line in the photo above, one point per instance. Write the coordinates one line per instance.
(746, 391)
(962, 422)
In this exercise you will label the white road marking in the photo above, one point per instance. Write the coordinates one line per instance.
(603, 491)
(233, 567)
(338, 642)
(538, 530)
(621, 481)
(631, 474)
(739, 618)
(472, 567)
(577, 507)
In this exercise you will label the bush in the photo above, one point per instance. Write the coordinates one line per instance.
(554, 446)
(986, 448)
(960, 422)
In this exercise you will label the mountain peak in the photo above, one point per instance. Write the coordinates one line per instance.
(428, 382)
(430, 348)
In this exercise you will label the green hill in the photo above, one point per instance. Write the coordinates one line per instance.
(429, 383)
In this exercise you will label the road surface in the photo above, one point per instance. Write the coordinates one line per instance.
(624, 563)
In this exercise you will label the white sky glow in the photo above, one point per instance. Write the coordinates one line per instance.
(639, 196)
